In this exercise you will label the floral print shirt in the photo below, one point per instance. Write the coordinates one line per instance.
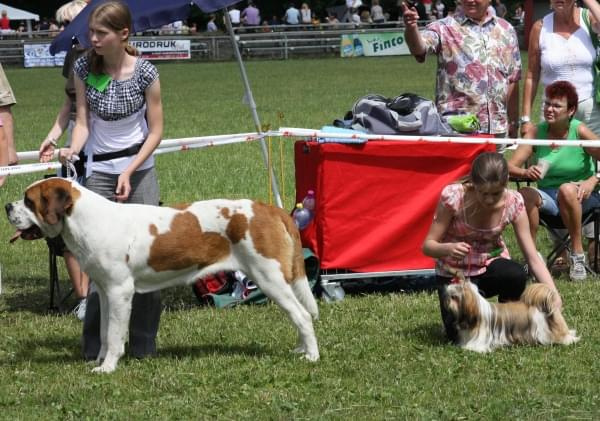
(476, 64)
(486, 244)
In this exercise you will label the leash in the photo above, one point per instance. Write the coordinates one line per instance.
(70, 166)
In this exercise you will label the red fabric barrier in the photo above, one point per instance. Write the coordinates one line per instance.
(375, 201)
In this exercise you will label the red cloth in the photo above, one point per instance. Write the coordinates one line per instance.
(375, 201)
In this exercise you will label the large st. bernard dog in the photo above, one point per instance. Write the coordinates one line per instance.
(483, 326)
(127, 248)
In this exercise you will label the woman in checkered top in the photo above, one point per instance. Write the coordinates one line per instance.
(119, 124)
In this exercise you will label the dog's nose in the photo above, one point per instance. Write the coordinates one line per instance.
(8, 208)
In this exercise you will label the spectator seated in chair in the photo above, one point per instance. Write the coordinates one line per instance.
(568, 186)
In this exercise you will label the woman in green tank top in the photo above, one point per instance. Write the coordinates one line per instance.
(566, 176)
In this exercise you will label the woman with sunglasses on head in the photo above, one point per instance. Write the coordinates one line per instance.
(120, 122)
(568, 187)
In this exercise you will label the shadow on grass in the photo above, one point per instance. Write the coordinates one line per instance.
(62, 349)
(181, 351)
(52, 349)
(428, 334)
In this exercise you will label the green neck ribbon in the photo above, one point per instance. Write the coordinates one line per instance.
(99, 82)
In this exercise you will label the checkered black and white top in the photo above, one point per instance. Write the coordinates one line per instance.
(121, 98)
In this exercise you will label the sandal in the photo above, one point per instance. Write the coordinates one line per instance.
(559, 265)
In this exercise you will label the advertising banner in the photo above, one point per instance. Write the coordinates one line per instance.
(376, 44)
(38, 55)
(169, 49)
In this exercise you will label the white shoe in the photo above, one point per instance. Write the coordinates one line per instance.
(577, 270)
(80, 308)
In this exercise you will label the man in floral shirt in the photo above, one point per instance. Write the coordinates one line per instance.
(479, 64)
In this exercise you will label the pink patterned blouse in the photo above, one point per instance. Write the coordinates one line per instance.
(486, 244)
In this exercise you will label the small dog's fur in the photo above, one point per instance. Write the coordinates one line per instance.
(127, 248)
(483, 326)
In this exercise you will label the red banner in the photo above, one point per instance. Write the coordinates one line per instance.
(375, 201)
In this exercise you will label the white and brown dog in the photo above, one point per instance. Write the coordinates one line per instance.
(483, 326)
(127, 248)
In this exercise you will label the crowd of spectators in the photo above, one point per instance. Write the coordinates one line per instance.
(248, 17)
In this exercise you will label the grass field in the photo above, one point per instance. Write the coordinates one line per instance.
(383, 355)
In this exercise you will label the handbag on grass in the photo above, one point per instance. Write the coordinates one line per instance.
(596, 43)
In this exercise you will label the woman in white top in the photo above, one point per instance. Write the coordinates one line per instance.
(120, 122)
(560, 48)
(377, 12)
(305, 14)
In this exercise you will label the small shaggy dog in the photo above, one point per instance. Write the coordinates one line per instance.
(483, 326)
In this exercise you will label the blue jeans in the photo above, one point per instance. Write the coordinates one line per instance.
(550, 201)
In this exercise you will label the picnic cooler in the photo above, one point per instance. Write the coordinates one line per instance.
(375, 201)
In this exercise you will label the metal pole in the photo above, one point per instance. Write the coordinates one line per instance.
(252, 105)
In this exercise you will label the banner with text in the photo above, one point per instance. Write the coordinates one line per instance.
(379, 44)
(169, 49)
(38, 55)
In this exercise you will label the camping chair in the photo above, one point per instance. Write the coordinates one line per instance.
(554, 223)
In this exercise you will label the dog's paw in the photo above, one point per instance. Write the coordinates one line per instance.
(104, 368)
(299, 350)
(311, 356)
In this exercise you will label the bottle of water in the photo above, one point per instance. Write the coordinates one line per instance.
(302, 216)
(309, 201)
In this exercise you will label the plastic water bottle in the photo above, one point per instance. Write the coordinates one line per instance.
(302, 216)
(309, 201)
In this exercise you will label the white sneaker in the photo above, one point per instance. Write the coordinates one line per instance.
(79, 309)
(577, 270)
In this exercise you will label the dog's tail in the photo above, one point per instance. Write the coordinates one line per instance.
(544, 299)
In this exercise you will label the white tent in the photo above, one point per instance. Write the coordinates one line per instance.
(18, 14)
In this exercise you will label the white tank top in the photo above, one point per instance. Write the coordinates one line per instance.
(567, 59)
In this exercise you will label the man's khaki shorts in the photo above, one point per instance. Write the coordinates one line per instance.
(6, 94)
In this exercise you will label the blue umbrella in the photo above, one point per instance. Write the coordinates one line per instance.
(146, 15)
(153, 14)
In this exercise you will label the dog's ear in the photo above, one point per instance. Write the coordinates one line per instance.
(469, 309)
(55, 204)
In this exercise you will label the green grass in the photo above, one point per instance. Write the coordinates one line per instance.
(383, 356)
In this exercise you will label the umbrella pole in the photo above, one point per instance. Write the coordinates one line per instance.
(252, 105)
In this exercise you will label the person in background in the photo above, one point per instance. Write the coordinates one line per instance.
(65, 120)
(3, 152)
(501, 9)
(251, 15)
(560, 48)
(305, 14)
(292, 15)
(333, 20)
(377, 12)
(235, 16)
(469, 44)
(568, 188)
(7, 100)
(465, 236)
(4, 21)
(439, 9)
(211, 26)
(120, 122)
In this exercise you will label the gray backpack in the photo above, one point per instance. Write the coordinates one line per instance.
(408, 114)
